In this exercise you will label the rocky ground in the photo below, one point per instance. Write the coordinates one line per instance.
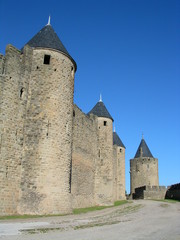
(142, 219)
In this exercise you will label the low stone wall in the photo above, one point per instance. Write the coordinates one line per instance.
(150, 192)
(173, 192)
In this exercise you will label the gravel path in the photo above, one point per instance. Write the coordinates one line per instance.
(142, 219)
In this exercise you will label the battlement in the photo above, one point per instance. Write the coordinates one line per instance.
(150, 192)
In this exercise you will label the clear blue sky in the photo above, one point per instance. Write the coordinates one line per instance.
(127, 50)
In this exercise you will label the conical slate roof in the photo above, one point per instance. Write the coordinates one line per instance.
(100, 110)
(143, 150)
(47, 38)
(117, 141)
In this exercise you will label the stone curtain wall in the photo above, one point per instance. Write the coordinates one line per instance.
(84, 157)
(48, 136)
(143, 171)
(119, 173)
(11, 136)
(50, 160)
(150, 192)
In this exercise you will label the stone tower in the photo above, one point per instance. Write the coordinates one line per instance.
(104, 164)
(118, 168)
(143, 168)
(37, 84)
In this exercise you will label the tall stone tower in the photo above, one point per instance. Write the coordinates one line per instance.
(143, 168)
(118, 168)
(36, 126)
(104, 164)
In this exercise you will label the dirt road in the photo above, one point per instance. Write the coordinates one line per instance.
(143, 219)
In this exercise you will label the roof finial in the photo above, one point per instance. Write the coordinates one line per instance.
(49, 20)
(142, 136)
(114, 128)
(100, 100)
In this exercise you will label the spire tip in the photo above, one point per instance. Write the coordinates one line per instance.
(49, 20)
(142, 136)
(100, 100)
(114, 129)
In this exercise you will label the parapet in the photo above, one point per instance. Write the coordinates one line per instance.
(150, 192)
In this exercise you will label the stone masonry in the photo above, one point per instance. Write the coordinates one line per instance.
(143, 168)
(53, 157)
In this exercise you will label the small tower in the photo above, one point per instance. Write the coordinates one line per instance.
(143, 168)
(104, 165)
(119, 168)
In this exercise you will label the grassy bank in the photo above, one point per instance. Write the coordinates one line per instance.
(75, 211)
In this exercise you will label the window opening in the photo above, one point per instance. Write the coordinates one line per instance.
(47, 59)
(21, 92)
(105, 123)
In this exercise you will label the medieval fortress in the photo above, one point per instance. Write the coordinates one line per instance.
(54, 157)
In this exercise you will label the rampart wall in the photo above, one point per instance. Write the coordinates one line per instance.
(53, 157)
(84, 158)
(11, 135)
(150, 192)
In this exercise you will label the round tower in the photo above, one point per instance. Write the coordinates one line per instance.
(104, 166)
(46, 164)
(118, 168)
(143, 168)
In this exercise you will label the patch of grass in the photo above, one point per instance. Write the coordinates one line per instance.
(118, 203)
(89, 209)
(11, 217)
(75, 211)
(96, 208)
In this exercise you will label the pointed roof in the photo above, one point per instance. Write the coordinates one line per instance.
(117, 141)
(100, 110)
(47, 38)
(143, 150)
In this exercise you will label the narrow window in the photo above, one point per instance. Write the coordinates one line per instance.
(70, 176)
(47, 59)
(73, 113)
(105, 123)
(21, 92)
(120, 150)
